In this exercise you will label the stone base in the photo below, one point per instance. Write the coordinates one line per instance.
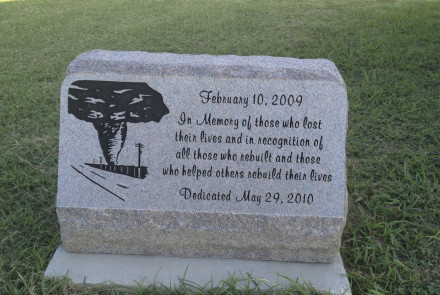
(131, 270)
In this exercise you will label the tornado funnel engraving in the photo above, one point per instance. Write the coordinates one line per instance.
(110, 106)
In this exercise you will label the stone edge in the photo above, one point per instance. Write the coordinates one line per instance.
(201, 234)
(220, 66)
(130, 270)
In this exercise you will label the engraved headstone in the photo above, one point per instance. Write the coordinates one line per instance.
(203, 156)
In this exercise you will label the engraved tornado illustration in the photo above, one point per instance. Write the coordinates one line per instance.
(110, 106)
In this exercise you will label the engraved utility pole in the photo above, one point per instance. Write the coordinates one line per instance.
(140, 146)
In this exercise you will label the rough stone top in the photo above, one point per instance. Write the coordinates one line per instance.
(225, 66)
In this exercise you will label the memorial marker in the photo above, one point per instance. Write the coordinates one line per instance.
(203, 156)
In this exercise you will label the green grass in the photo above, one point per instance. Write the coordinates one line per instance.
(388, 53)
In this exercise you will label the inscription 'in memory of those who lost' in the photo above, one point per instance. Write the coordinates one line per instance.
(274, 155)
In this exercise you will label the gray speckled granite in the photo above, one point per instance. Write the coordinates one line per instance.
(104, 212)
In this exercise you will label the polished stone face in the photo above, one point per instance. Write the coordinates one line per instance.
(213, 156)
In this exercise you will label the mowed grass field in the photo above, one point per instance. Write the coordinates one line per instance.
(388, 53)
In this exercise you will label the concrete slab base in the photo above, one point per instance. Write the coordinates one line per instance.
(131, 270)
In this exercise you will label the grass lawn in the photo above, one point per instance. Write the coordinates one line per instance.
(388, 53)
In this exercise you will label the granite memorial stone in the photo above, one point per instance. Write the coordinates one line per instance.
(183, 160)
(203, 156)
